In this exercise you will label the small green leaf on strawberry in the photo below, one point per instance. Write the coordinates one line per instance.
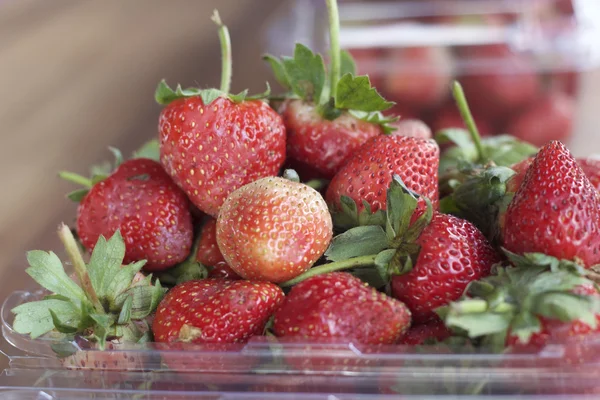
(150, 150)
(278, 70)
(165, 95)
(306, 73)
(377, 118)
(356, 93)
(347, 63)
(62, 326)
(356, 242)
(34, 318)
(77, 195)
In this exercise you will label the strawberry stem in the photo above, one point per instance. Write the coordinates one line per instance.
(334, 43)
(68, 240)
(76, 178)
(356, 262)
(465, 112)
(226, 62)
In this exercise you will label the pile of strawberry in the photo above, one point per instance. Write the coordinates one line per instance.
(322, 219)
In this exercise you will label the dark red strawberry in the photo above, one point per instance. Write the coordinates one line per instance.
(420, 334)
(555, 211)
(548, 118)
(325, 125)
(453, 252)
(151, 212)
(215, 311)
(339, 305)
(208, 249)
(368, 173)
(273, 229)
(213, 143)
(223, 271)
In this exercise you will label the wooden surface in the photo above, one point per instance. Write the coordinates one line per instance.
(78, 76)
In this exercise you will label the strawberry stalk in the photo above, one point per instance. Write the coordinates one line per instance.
(76, 178)
(334, 43)
(357, 262)
(226, 59)
(465, 112)
(72, 249)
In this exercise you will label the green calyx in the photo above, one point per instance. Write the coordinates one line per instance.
(514, 298)
(305, 77)
(165, 94)
(100, 172)
(110, 301)
(387, 246)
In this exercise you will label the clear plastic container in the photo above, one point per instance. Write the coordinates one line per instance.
(529, 67)
(269, 368)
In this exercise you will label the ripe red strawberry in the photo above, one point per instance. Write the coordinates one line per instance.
(368, 173)
(591, 168)
(224, 271)
(453, 252)
(151, 212)
(273, 229)
(321, 143)
(325, 125)
(208, 249)
(555, 211)
(339, 305)
(215, 311)
(212, 143)
(419, 334)
(411, 127)
(549, 118)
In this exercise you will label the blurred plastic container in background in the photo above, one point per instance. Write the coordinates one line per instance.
(528, 67)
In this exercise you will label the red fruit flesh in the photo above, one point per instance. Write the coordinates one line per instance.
(419, 76)
(151, 212)
(210, 151)
(273, 229)
(549, 118)
(419, 334)
(339, 305)
(215, 311)
(208, 250)
(321, 143)
(453, 253)
(368, 174)
(411, 127)
(223, 271)
(555, 211)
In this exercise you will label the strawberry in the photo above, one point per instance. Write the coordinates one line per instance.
(411, 127)
(453, 252)
(213, 142)
(559, 220)
(364, 179)
(215, 311)
(208, 250)
(420, 334)
(548, 118)
(326, 123)
(339, 305)
(141, 201)
(591, 168)
(273, 229)
(224, 271)
(111, 305)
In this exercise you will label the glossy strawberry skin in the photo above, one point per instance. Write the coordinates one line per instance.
(591, 168)
(555, 211)
(369, 172)
(152, 213)
(419, 334)
(321, 143)
(223, 271)
(210, 151)
(273, 229)
(215, 311)
(411, 127)
(339, 305)
(208, 250)
(453, 253)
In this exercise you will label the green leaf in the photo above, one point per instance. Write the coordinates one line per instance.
(120, 282)
(64, 349)
(479, 324)
(459, 137)
(278, 70)
(60, 326)
(102, 327)
(145, 299)
(566, 307)
(359, 241)
(347, 64)
(376, 118)
(306, 73)
(401, 204)
(356, 93)
(262, 95)
(524, 325)
(78, 195)
(125, 314)
(150, 150)
(117, 154)
(105, 264)
(383, 258)
(47, 270)
(34, 318)
(165, 95)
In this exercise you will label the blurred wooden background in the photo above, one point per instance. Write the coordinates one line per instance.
(78, 76)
